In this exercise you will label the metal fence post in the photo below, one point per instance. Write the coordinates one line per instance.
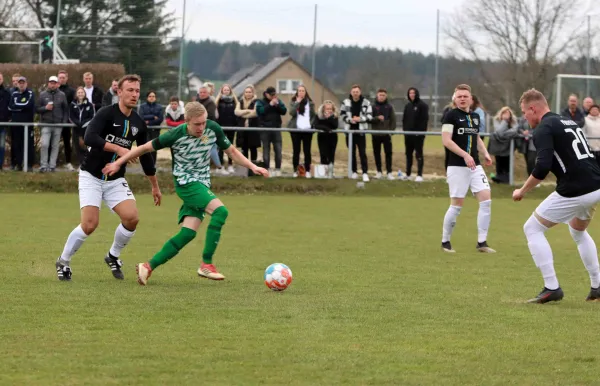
(25, 148)
(511, 167)
(350, 154)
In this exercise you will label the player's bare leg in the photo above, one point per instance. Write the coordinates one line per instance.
(456, 205)
(218, 215)
(589, 254)
(90, 217)
(484, 217)
(128, 213)
(535, 229)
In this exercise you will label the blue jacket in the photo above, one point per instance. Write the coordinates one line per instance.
(22, 106)
(150, 110)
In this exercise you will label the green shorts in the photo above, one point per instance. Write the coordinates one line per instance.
(195, 197)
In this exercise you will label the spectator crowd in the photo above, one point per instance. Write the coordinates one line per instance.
(60, 104)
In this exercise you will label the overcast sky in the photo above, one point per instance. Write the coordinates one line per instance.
(404, 24)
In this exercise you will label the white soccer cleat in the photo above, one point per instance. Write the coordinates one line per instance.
(366, 177)
(484, 248)
(143, 271)
(419, 179)
(210, 272)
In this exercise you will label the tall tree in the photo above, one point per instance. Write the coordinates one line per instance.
(529, 37)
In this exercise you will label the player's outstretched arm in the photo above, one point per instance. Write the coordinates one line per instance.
(114, 167)
(239, 159)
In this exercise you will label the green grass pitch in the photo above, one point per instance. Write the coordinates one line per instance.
(373, 301)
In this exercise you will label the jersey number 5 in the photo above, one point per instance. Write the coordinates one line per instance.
(580, 139)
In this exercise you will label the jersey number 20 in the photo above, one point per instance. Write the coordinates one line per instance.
(580, 139)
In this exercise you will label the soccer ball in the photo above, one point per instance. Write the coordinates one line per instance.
(278, 276)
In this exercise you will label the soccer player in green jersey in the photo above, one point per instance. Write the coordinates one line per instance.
(190, 145)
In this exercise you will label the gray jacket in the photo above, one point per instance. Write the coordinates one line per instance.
(501, 137)
(60, 111)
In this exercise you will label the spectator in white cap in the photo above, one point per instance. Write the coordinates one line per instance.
(53, 108)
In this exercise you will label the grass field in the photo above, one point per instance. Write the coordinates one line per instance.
(374, 300)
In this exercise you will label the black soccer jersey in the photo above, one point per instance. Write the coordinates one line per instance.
(111, 125)
(465, 131)
(562, 149)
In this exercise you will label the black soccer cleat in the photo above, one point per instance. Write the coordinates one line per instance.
(115, 266)
(548, 295)
(447, 247)
(594, 295)
(63, 271)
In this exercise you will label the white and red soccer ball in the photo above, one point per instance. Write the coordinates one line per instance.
(278, 276)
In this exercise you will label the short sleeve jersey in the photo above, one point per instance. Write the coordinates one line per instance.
(562, 149)
(191, 155)
(465, 131)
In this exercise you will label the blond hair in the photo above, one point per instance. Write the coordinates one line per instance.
(532, 95)
(193, 110)
(498, 117)
(236, 102)
(463, 86)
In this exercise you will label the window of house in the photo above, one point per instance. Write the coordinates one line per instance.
(288, 86)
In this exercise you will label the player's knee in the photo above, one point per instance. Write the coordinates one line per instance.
(130, 221)
(88, 226)
(220, 215)
(486, 204)
(533, 226)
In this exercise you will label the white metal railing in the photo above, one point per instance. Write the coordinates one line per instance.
(350, 134)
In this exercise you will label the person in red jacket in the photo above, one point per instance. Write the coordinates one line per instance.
(174, 113)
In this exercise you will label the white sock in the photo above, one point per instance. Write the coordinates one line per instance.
(122, 237)
(541, 251)
(450, 222)
(74, 242)
(589, 254)
(484, 216)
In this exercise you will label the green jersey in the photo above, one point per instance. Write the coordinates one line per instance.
(191, 155)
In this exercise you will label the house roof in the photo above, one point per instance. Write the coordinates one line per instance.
(242, 74)
(258, 73)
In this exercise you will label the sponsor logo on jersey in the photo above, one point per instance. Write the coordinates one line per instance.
(467, 130)
(118, 141)
(568, 122)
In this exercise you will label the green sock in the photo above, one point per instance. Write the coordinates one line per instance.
(172, 247)
(213, 233)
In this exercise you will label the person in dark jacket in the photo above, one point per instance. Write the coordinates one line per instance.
(573, 111)
(505, 130)
(208, 102)
(416, 118)
(69, 140)
(384, 118)
(81, 113)
(111, 97)
(327, 120)
(22, 108)
(93, 93)
(4, 117)
(152, 113)
(227, 103)
(302, 110)
(269, 111)
(248, 141)
(356, 112)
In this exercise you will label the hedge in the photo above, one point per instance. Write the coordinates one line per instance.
(37, 74)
